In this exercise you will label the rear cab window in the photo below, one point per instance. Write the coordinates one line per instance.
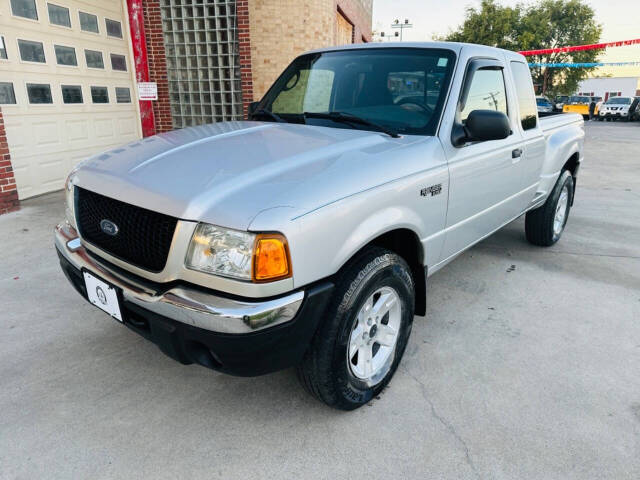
(527, 102)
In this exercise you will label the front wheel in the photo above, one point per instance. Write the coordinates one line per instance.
(544, 225)
(357, 350)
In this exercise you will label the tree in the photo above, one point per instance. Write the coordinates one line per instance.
(545, 24)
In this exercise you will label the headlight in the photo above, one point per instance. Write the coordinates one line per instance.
(239, 255)
(69, 210)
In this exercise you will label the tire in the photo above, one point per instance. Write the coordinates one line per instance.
(540, 224)
(328, 371)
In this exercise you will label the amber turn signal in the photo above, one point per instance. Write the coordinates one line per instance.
(271, 259)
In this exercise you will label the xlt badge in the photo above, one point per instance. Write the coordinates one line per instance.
(431, 191)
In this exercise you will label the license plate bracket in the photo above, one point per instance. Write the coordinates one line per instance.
(103, 295)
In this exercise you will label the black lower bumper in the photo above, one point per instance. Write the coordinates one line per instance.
(250, 354)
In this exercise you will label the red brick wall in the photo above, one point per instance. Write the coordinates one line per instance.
(157, 64)
(358, 16)
(8, 192)
(244, 49)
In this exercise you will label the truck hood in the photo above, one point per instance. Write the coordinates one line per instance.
(226, 173)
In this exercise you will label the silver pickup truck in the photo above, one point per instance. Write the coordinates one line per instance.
(304, 237)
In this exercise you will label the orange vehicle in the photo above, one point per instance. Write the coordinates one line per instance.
(582, 105)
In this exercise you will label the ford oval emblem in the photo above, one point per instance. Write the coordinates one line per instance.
(108, 227)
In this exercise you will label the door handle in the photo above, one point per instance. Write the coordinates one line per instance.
(517, 153)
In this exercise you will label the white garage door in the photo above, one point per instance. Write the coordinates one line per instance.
(66, 86)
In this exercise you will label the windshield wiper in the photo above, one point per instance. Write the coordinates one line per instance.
(268, 113)
(349, 118)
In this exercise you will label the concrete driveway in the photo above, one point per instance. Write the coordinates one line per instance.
(527, 366)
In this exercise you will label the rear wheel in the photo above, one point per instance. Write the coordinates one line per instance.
(356, 352)
(545, 224)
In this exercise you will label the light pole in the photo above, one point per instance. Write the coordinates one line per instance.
(397, 24)
(382, 36)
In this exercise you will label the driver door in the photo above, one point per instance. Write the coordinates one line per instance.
(484, 176)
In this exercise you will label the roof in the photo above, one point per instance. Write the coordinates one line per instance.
(456, 47)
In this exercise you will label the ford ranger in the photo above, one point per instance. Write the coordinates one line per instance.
(304, 236)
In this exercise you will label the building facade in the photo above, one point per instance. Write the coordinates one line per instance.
(607, 87)
(69, 71)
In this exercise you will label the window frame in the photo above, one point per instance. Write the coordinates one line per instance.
(13, 89)
(29, 102)
(22, 60)
(87, 63)
(93, 102)
(475, 64)
(106, 28)
(520, 119)
(6, 51)
(35, 4)
(128, 90)
(56, 55)
(124, 57)
(62, 86)
(80, 12)
(432, 128)
(70, 26)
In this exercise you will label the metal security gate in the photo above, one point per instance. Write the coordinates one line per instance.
(203, 65)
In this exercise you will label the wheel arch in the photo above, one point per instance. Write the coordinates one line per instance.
(573, 165)
(405, 243)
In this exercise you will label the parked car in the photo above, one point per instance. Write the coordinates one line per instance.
(544, 105)
(559, 102)
(305, 237)
(583, 105)
(616, 108)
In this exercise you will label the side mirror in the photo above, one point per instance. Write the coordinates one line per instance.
(482, 126)
(253, 106)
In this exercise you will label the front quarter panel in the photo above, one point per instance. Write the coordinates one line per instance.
(321, 241)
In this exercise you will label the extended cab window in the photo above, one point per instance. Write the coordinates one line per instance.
(487, 92)
(526, 98)
(399, 88)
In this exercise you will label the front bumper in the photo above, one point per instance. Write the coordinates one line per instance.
(614, 114)
(194, 325)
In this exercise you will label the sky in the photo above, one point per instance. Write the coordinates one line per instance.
(620, 20)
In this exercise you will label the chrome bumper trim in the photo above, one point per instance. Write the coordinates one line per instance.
(186, 305)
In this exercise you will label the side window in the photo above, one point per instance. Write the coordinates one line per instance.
(39, 93)
(291, 98)
(7, 94)
(526, 97)
(88, 22)
(487, 92)
(66, 55)
(59, 15)
(31, 51)
(3, 49)
(24, 8)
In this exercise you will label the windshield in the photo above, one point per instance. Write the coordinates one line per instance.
(542, 101)
(400, 88)
(619, 101)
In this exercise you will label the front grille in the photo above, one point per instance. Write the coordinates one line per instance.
(143, 237)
